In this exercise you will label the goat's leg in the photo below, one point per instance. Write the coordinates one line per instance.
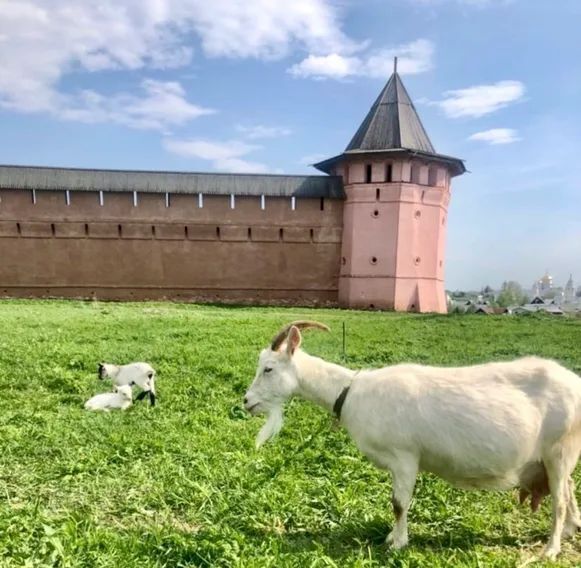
(558, 469)
(572, 519)
(404, 472)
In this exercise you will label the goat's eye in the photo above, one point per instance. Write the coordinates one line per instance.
(267, 369)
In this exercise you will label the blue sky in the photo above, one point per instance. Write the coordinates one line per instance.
(268, 86)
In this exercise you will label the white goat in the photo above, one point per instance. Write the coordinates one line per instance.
(121, 399)
(140, 374)
(492, 426)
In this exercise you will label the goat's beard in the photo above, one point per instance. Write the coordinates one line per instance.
(271, 427)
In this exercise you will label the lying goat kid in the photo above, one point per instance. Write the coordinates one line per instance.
(492, 426)
(140, 374)
(119, 400)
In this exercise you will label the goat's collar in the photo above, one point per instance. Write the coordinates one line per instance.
(340, 400)
(338, 406)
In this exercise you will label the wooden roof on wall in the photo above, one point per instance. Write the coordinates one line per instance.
(77, 179)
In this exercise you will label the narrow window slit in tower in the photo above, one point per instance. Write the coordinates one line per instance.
(415, 173)
(433, 176)
(368, 173)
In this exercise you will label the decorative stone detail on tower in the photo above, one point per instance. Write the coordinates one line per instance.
(395, 215)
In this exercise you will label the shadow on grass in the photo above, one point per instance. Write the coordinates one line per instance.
(373, 533)
(213, 547)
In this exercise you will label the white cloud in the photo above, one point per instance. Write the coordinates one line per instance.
(334, 66)
(41, 42)
(478, 3)
(259, 131)
(482, 99)
(414, 57)
(265, 29)
(164, 105)
(224, 156)
(312, 159)
(496, 136)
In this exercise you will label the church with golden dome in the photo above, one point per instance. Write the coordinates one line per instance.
(544, 288)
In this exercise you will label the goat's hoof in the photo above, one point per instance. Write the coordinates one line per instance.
(551, 552)
(396, 541)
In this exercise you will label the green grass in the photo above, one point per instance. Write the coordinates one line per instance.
(181, 484)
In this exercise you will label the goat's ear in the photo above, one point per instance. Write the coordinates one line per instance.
(293, 340)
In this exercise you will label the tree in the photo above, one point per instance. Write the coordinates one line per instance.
(487, 293)
(511, 294)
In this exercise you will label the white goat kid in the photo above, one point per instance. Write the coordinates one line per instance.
(121, 399)
(491, 426)
(140, 374)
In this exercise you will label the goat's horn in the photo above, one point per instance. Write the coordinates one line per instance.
(302, 324)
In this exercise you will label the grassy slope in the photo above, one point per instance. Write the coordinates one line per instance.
(182, 485)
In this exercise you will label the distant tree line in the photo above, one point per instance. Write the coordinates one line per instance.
(511, 294)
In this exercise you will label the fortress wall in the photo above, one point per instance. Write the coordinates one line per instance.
(151, 246)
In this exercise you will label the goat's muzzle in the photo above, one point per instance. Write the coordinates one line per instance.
(251, 407)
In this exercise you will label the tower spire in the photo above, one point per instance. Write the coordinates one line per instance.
(392, 122)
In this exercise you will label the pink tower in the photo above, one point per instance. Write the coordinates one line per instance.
(397, 193)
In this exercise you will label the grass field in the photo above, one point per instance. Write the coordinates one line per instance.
(181, 484)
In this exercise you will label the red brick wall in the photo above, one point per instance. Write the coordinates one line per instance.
(213, 253)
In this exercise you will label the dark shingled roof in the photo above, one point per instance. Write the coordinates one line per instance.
(77, 179)
(392, 123)
(393, 126)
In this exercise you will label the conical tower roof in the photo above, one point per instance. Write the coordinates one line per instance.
(393, 126)
(392, 122)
